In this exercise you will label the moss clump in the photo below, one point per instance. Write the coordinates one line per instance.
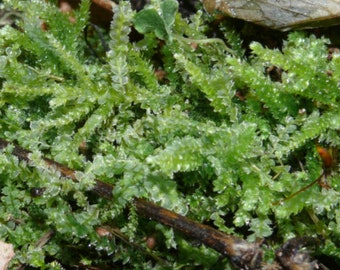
(217, 139)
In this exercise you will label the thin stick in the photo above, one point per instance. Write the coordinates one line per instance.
(242, 254)
(299, 191)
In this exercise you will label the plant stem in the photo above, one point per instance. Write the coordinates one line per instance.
(205, 41)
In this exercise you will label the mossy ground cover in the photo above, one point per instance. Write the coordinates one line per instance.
(215, 137)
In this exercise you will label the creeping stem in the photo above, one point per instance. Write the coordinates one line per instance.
(242, 254)
(205, 41)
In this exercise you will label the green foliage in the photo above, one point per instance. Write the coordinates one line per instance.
(148, 20)
(217, 140)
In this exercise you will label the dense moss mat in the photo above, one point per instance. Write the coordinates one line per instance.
(178, 117)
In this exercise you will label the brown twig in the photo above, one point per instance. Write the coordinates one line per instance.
(292, 257)
(242, 254)
(101, 188)
(299, 191)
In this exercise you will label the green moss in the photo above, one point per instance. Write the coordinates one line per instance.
(216, 132)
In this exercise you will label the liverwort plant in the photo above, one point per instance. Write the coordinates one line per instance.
(216, 139)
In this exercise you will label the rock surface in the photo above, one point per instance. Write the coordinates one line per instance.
(280, 14)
